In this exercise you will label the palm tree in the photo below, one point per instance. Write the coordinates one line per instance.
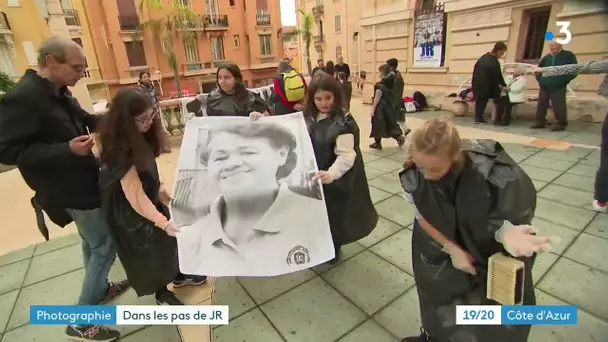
(165, 30)
(305, 33)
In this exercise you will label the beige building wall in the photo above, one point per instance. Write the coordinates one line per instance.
(472, 29)
(336, 23)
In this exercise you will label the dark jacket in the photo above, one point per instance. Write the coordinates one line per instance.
(222, 104)
(37, 122)
(487, 77)
(399, 85)
(556, 82)
(468, 206)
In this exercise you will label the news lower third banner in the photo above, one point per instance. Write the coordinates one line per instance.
(129, 315)
(516, 315)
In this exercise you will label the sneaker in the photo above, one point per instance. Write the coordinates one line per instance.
(423, 337)
(558, 128)
(192, 280)
(481, 122)
(92, 333)
(114, 290)
(601, 207)
(167, 298)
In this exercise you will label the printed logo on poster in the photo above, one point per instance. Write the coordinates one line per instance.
(298, 255)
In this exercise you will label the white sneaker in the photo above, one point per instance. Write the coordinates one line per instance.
(600, 207)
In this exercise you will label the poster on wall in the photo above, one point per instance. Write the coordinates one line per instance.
(428, 39)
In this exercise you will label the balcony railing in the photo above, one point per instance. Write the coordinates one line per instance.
(128, 22)
(192, 66)
(215, 22)
(320, 39)
(217, 62)
(262, 17)
(71, 17)
(318, 10)
(4, 25)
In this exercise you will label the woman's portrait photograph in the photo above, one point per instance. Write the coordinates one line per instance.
(245, 201)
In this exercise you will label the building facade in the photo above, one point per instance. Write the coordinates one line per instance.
(20, 39)
(245, 32)
(335, 30)
(470, 29)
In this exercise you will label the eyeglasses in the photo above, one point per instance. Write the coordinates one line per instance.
(146, 119)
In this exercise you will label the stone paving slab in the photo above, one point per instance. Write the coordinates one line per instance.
(370, 294)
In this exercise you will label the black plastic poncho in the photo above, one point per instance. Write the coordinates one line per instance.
(351, 213)
(468, 206)
(147, 253)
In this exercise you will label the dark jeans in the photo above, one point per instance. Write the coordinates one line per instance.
(558, 103)
(601, 178)
(504, 107)
(98, 253)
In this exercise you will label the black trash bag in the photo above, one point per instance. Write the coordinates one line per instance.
(220, 103)
(147, 253)
(468, 206)
(350, 210)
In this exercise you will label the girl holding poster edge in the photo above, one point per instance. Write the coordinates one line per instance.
(134, 199)
(335, 139)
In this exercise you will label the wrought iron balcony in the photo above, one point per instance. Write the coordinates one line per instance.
(215, 22)
(193, 23)
(262, 17)
(4, 25)
(318, 10)
(267, 59)
(319, 40)
(128, 22)
(71, 17)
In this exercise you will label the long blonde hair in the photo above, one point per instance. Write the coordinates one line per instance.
(436, 136)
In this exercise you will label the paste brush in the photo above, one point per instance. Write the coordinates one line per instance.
(506, 277)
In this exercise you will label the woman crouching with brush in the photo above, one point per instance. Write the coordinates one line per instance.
(471, 201)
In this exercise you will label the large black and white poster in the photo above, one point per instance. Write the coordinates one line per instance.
(244, 198)
(428, 39)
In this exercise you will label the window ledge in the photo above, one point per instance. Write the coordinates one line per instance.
(423, 70)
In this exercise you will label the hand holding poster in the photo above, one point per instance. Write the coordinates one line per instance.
(245, 200)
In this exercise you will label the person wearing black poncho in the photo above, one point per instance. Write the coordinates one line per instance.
(471, 201)
(231, 97)
(134, 199)
(335, 139)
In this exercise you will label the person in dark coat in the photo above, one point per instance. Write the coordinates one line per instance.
(398, 92)
(231, 97)
(134, 199)
(554, 89)
(471, 200)
(385, 111)
(335, 139)
(44, 132)
(343, 75)
(488, 82)
(320, 67)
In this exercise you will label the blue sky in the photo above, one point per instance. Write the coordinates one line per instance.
(288, 12)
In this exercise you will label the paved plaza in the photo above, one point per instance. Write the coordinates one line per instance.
(370, 295)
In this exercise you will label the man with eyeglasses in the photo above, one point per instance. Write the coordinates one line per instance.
(46, 134)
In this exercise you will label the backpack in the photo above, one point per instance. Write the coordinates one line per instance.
(294, 86)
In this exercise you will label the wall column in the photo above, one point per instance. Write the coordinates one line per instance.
(59, 28)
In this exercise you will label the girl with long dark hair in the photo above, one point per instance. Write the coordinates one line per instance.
(231, 97)
(335, 138)
(135, 200)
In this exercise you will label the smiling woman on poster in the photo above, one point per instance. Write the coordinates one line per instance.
(258, 226)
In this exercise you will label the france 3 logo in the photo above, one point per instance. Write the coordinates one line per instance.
(564, 29)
